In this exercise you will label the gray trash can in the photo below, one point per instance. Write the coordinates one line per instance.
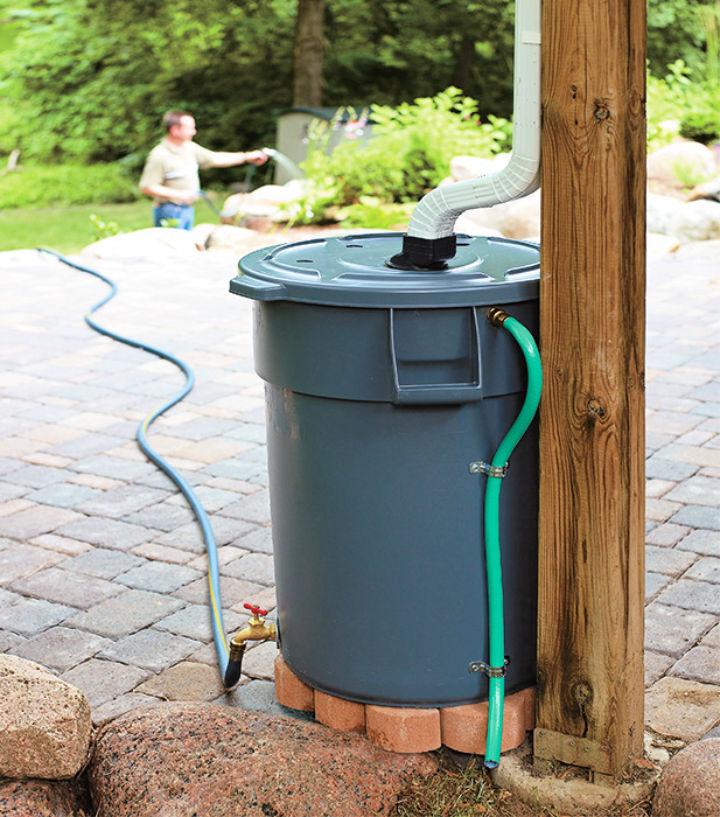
(383, 385)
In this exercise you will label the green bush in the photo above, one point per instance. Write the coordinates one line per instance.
(701, 126)
(373, 214)
(408, 155)
(680, 104)
(63, 185)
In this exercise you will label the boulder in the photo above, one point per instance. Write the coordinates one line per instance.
(662, 213)
(661, 245)
(681, 164)
(514, 219)
(44, 723)
(151, 243)
(701, 252)
(690, 783)
(227, 237)
(215, 761)
(272, 201)
(39, 798)
(201, 233)
(470, 167)
(698, 221)
(473, 225)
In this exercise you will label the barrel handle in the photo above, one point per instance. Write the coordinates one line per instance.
(435, 393)
(257, 290)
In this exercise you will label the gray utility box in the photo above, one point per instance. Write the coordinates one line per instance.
(293, 133)
(383, 385)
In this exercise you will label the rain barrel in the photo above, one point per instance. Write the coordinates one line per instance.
(383, 386)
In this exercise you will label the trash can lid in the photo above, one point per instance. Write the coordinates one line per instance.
(351, 271)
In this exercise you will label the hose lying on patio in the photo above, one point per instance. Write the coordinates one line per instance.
(229, 674)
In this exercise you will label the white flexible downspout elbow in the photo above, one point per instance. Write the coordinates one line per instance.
(436, 213)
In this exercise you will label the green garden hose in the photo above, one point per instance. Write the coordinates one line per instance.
(496, 671)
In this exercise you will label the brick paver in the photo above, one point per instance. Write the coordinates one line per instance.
(150, 649)
(102, 567)
(61, 648)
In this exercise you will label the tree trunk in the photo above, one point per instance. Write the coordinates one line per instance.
(464, 57)
(308, 53)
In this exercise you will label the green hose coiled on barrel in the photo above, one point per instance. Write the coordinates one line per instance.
(496, 693)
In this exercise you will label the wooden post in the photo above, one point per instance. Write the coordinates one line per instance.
(590, 639)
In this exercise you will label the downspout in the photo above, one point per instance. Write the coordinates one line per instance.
(430, 241)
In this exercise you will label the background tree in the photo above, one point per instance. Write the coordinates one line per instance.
(90, 79)
(309, 45)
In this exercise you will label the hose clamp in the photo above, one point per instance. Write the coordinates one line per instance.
(491, 672)
(481, 467)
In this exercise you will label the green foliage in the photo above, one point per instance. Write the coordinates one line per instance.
(63, 185)
(102, 228)
(701, 126)
(678, 104)
(88, 80)
(678, 30)
(93, 78)
(374, 214)
(688, 174)
(409, 153)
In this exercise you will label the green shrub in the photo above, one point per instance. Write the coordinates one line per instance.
(681, 104)
(408, 154)
(374, 214)
(701, 126)
(63, 185)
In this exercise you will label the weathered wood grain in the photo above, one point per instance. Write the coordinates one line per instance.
(590, 639)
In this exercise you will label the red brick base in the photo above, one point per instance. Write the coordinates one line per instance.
(406, 729)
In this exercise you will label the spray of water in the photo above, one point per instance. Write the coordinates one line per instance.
(285, 163)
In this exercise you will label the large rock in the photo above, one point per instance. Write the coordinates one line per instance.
(690, 783)
(215, 761)
(227, 237)
(700, 253)
(474, 226)
(271, 201)
(201, 233)
(698, 221)
(514, 219)
(38, 798)
(45, 725)
(662, 213)
(470, 167)
(154, 242)
(680, 165)
(659, 246)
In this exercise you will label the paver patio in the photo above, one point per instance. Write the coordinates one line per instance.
(102, 569)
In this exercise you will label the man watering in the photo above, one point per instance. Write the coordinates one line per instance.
(171, 175)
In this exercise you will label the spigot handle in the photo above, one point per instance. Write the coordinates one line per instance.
(255, 609)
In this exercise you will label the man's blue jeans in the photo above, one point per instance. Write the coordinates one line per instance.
(174, 215)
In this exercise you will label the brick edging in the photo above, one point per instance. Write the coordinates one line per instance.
(407, 729)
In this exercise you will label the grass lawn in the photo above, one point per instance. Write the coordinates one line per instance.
(68, 229)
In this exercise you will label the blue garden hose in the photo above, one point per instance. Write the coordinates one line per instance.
(229, 673)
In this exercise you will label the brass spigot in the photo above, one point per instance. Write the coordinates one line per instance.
(497, 316)
(257, 629)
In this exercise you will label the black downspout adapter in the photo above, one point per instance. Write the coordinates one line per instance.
(424, 253)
